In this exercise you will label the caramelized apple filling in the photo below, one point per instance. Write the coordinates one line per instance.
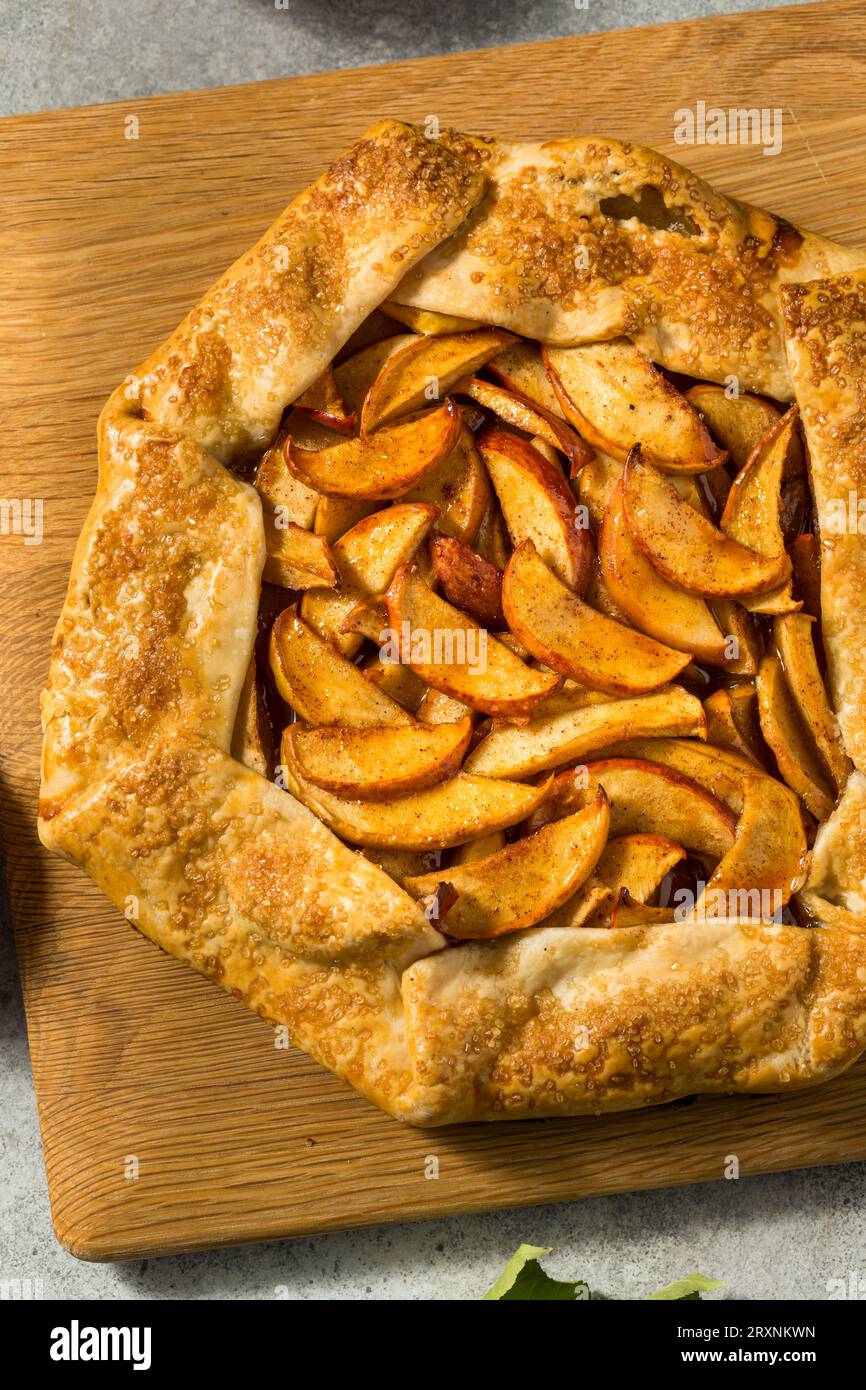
(540, 629)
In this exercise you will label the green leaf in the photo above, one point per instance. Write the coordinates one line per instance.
(524, 1278)
(691, 1286)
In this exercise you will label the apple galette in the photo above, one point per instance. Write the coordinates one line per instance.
(463, 662)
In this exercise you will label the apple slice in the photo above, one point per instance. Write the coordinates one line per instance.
(354, 376)
(768, 853)
(439, 708)
(379, 764)
(519, 885)
(428, 320)
(284, 497)
(297, 559)
(625, 912)
(366, 560)
(385, 467)
(717, 770)
(645, 798)
(459, 488)
(617, 399)
(789, 742)
(551, 741)
(450, 813)
(686, 548)
(793, 638)
(453, 654)
(573, 638)
(537, 505)
(807, 572)
(252, 738)
(660, 609)
(395, 680)
(400, 863)
(322, 402)
(638, 864)
(742, 639)
(732, 721)
(425, 370)
(468, 581)
(479, 849)
(320, 684)
(595, 483)
(737, 423)
(520, 369)
(337, 515)
(492, 541)
(752, 512)
(524, 414)
(373, 329)
(585, 907)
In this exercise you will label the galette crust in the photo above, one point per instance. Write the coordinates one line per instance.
(558, 1021)
(152, 654)
(825, 324)
(558, 250)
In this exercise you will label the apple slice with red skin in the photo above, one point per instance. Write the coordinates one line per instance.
(768, 853)
(569, 636)
(794, 643)
(384, 467)
(366, 560)
(520, 369)
(646, 798)
(322, 402)
(660, 609)
(737, 423)
(379, 764)
(537, 505)
(468, 581)
(720, 771)
(355, 375)
(617, 399)
(452, 812)
(500, 684)
(425, 369)
(687, 548)
(322, 686)
(554, 740)
(524, 882)
(524, 414)
(753, 510)
(790, 742)
(807, 572)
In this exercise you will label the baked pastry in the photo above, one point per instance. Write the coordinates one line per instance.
(563, 819)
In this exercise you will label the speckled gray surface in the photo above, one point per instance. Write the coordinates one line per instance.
(779, 1237)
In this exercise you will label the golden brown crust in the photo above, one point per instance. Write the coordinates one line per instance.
(160, 616)
(837, 874)
(266, 329)
(825, 325)
(570, 1022)
(226, 871)
(578, 240)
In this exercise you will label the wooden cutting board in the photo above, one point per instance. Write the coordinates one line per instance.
(169, 1120)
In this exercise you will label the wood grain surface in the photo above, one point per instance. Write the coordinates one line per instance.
(105, 242)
